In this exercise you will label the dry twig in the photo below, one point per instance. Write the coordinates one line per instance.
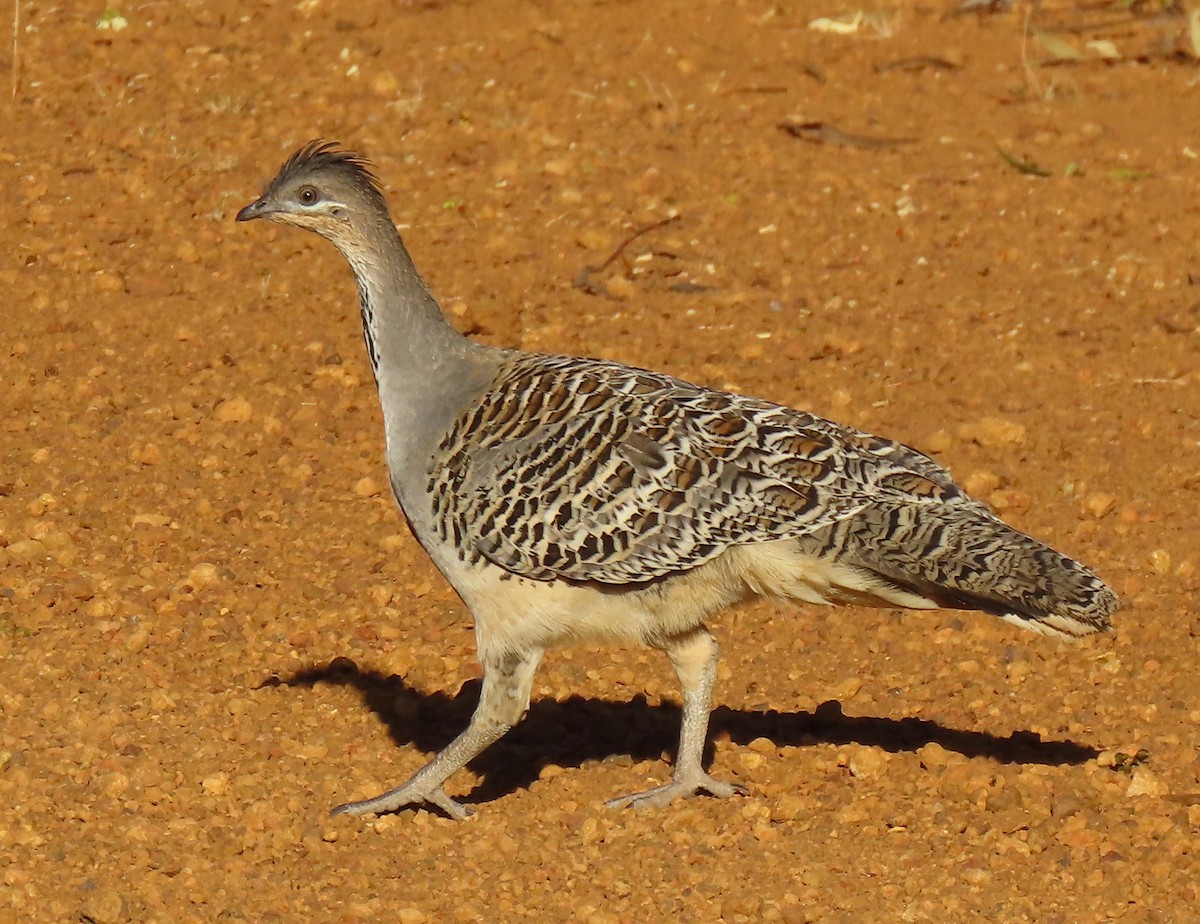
(585, 281)
(824, 133)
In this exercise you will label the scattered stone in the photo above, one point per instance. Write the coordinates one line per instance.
(994, 432)
(981, 483)
(789, 807)
(215, 785)
(24, 549)
(847, 689)
(234, 410)
(146, 454)
(1010, 500)
(866, 763)
(202, 575)
(1099, 504)
(137, 641)
(42, 504)
(106, 906)
(109, 282)
(366, 487)
(1145, 783)
(933, 756)
(384, 84)
(150, 519)
(619, 287)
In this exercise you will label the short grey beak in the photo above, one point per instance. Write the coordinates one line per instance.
(256, 209)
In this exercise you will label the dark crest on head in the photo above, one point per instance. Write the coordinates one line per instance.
(325, 157)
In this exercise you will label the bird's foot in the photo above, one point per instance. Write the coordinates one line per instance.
(684, 786)
(408, 794)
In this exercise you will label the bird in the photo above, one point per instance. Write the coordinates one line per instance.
(569, 499)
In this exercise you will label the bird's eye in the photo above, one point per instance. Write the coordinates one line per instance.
(307, 195)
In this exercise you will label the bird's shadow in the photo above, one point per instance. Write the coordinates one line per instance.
(576, 730)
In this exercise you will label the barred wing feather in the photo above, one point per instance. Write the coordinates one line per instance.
(593, 471)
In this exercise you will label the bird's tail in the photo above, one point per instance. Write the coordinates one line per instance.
(963, 557)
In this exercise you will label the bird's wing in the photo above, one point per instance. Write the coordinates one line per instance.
(593, 471)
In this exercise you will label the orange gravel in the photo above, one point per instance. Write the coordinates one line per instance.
(214, 625)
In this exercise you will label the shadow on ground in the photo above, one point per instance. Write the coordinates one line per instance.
(577, 730)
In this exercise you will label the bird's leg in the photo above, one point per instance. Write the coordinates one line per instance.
(507, 682)
(694, 656)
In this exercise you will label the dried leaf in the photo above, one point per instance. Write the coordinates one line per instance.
(982, 6)
(1025, 166)
(837, 26)
(1061, 49)
(824, 133)
(1103, 48)
(917, 63)
(1128, 173)
(1194, 32)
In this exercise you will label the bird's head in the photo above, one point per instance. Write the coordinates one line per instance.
(325, 189)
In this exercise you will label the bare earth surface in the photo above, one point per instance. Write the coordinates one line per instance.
(214, 625)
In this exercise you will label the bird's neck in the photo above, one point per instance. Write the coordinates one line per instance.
(422, 365)
(404, 327)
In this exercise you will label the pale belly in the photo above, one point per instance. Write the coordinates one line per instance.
(517, 614)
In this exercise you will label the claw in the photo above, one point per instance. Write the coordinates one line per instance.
(398, 798)
(693, 785)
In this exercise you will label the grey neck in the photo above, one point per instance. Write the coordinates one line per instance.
(403, 324)
(424, 368)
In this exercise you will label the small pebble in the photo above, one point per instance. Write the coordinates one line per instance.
(105, 907)
(994, 432)
(384, 84)
(866, 763)
(1099, 504)
(366, 487)
(234, 410)
(1145, 783)
(981, 483)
